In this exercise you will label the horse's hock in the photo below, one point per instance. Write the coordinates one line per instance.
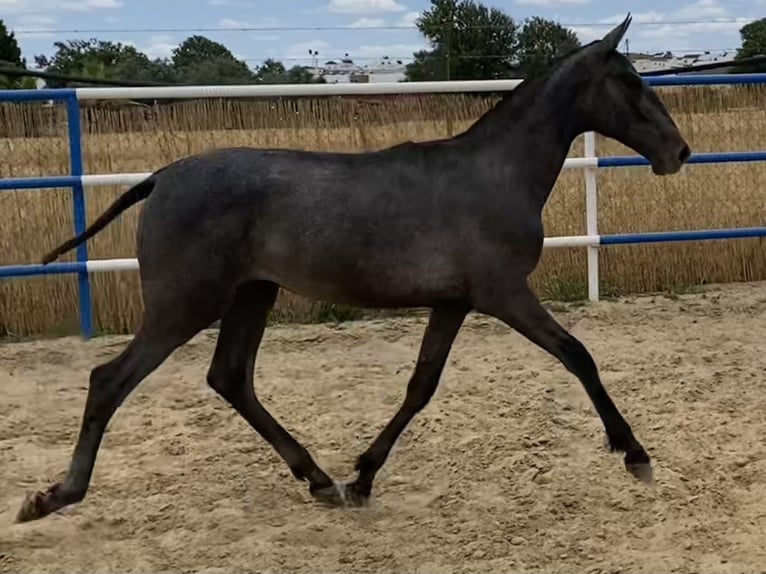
(502, 471)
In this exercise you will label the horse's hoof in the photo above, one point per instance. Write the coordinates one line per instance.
(33, 507)
(642, 471)
(341, 494)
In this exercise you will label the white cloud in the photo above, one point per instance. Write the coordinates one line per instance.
(691, 27)
(702, 9)
(90, 5)
(264, 22)
(159, 46)
(409, 19)
(587, 34)
(232, 23)
(265, 37)
(301, 50)
(680, 36)
(37, 22)
(8, 7)
(369, 23)
(675, 31)
(553, 3)
(364, 6)
(16, 7)
(637, 18)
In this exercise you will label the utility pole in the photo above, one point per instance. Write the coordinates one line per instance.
(449, 41)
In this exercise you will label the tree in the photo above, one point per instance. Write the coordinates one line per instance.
(472, 42)
(199, 60)
(274, 72)
(271, 72)
(10, 57)
(753, 37)
(468, 42)
(101, 59)
(542, 41)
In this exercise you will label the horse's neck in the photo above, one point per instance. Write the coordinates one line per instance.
(530, 133)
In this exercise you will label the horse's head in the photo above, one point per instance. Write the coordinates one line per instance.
(616, 102)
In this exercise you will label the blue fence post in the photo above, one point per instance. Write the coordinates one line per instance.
(80, 222)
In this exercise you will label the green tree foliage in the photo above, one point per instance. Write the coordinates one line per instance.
(468, 42)
(753, 37)
(274, 72)
(542, 41)
(199, 60)
(472, 42)
(95, 58)
(10, 57)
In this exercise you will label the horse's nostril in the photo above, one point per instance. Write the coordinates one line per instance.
(684, 154)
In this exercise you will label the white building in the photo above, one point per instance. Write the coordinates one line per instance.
(345, 70)
(670, 61)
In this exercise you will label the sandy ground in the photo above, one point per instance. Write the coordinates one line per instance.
(504, 471)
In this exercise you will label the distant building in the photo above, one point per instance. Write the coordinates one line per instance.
(345, 70)
(668, 61)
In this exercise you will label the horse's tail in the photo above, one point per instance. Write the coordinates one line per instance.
(137, 193)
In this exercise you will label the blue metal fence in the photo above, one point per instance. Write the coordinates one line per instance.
(74, 133)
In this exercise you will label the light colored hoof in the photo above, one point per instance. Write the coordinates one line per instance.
(643, 471)
(341, 494)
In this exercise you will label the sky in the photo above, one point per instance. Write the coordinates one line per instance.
(258, 29)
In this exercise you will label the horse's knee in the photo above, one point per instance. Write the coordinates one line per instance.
(421, 388)
(227, 382)
(104, 385)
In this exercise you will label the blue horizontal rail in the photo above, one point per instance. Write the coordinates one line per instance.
(39, 182)
(13, 183)
(717, 157)
(705, 79)
(670, 236)
(59, 94)
(34, 269)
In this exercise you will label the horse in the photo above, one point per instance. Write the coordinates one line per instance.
(451, 225)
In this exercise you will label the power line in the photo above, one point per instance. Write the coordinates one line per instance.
(337, 28)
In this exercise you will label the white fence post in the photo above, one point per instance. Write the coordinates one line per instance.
(591, 216)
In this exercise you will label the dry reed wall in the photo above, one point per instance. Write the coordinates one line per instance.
(130, 138)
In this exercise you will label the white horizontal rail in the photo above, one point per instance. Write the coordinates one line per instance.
(101, 180)
(128, 264)
(287, 90)
(98, 265)
(572, 241)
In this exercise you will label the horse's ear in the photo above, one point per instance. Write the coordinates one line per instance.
(612, 40)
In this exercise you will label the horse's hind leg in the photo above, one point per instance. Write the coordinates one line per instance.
(110, 385)
(231, 376)
(173, 313)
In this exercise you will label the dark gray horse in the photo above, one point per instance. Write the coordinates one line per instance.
(451, 225)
